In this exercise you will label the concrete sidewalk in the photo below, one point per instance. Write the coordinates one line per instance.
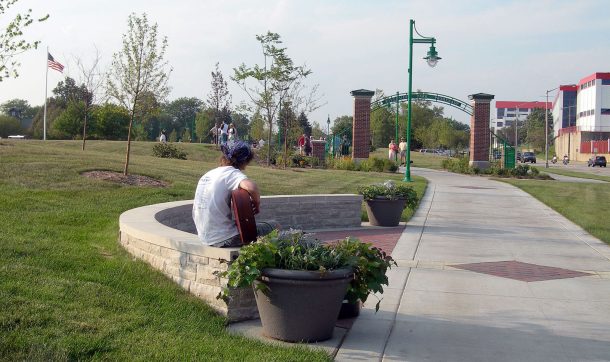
(438, 309)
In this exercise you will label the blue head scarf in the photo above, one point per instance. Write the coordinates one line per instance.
(237, 152)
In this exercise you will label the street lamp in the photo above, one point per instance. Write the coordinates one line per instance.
(432, 58)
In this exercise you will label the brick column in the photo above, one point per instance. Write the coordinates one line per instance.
(479, 130)
(317, 150)
(361, 137)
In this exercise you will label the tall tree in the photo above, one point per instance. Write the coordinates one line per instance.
(183, 111)
(139, 67)
(68, 91)
(219, 99)
(92, 80)
(12, 42)
(18, 108)
(271, 81)
(304, 123)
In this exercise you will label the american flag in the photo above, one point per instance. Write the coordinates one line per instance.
(53, 64)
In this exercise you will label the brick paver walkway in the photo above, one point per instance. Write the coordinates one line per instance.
(382, 238)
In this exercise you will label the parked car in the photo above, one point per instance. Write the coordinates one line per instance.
(518, 156)
(597, 161)
(528, 157)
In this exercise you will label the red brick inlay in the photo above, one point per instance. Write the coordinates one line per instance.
(520, 271)
(384, 239)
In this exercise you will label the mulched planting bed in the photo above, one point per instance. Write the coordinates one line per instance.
(129, 180)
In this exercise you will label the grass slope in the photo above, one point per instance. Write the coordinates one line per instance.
(69, 292)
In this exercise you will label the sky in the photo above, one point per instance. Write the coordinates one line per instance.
(515, 50)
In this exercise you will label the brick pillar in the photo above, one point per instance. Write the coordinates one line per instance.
(317, 150)
(479, 130)
(362, 124)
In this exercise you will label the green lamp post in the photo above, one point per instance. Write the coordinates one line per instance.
(432, 58)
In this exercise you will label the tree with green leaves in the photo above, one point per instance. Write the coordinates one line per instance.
(534, 128)
(265, 85)
(12, 42)
(219, 99)
(343, 126)
(111, 121)
(138, 68)
(9, 126)
(257, 126)
(70, 123)
(183, 112)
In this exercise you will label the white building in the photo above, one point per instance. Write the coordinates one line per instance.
(508, 112)
(590, 134)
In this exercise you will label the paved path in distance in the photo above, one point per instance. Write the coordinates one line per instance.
(488, 273)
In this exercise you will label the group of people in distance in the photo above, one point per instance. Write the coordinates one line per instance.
(394, 150)
(223, 132)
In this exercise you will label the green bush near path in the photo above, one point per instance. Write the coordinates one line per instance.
(68, 291)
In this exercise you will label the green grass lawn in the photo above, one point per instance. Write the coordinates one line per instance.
(566, 172)
(69, 292)
(584, 204)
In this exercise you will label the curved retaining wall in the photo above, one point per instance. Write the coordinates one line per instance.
(163, 235)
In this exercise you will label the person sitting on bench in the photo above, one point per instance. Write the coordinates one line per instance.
(212, 205)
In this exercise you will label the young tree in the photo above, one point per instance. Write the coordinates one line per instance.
(12, 42)
(270, 82)
(70, 122)
(219, 98)
(139, 67)
(257, 126)
(92, 80)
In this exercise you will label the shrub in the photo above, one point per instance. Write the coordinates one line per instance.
(391, 191)
(166, 150)
(520, 171)
(294, 250)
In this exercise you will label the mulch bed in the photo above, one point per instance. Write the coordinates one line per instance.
(129, 180)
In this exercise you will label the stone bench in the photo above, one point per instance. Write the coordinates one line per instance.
(164, 236)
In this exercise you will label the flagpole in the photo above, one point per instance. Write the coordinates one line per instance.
(46, 81)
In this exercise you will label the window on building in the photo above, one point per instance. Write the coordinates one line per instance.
(508, 123)
(510, 114)
(499, 124)
(605, 111)
(524, 109)
(593, 112)
(510, 109)
(500, 113)
(605, 81)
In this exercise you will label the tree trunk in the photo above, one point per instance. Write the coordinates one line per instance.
(85, 126)
(128, 147)
(269, 144)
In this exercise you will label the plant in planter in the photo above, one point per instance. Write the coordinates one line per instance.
(300, 283)
(385, 202)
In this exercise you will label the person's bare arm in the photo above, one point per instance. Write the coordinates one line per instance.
(252, 189)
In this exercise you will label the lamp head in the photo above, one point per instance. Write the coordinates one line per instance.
(432, 58)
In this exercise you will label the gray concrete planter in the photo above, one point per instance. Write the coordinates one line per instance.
(384, 212)
(301, 306)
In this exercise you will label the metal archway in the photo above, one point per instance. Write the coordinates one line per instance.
(428, 96)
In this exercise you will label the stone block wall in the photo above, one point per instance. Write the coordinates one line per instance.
(163, 235)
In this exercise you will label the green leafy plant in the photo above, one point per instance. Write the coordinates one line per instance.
(391, 191)
(166, 150)
(295, 250)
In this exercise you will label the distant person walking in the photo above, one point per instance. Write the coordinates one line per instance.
(232, 132)
(224, 133)
(402, 146)
(308, 147)
(163, 137)
(301, 144)
(392, 149)
(214, 132)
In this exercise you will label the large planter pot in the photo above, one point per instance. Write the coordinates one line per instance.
(301, 306)
(384, 212)
(350, 310)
